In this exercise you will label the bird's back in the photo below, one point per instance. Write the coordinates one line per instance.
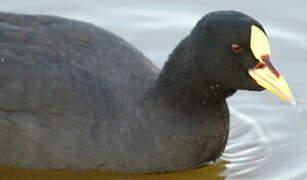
(61, 83)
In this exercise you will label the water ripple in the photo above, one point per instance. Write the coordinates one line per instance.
(245, 158)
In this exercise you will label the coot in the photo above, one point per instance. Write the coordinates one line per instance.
(75, 96)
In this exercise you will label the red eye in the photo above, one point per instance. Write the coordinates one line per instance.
(236, 48)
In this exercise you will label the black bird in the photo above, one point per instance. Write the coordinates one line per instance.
(75, 96)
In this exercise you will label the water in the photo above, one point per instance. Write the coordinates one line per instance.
(267, 136)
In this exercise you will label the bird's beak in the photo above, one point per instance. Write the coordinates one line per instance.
(264, 72)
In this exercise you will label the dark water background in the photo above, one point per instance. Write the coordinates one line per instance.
(268, 137)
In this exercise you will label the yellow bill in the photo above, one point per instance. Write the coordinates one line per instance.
(264, 72)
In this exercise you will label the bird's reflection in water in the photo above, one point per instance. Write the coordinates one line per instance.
(210, 172)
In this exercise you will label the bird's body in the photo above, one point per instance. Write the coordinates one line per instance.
(87, 105)
(75, 96)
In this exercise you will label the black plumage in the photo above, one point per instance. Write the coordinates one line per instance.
(75, 96)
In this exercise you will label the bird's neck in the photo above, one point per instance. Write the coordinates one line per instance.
(179, 84)
(190, 93)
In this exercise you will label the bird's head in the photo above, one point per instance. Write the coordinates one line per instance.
(233, 49)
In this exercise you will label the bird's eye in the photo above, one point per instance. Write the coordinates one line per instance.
(236, 48)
